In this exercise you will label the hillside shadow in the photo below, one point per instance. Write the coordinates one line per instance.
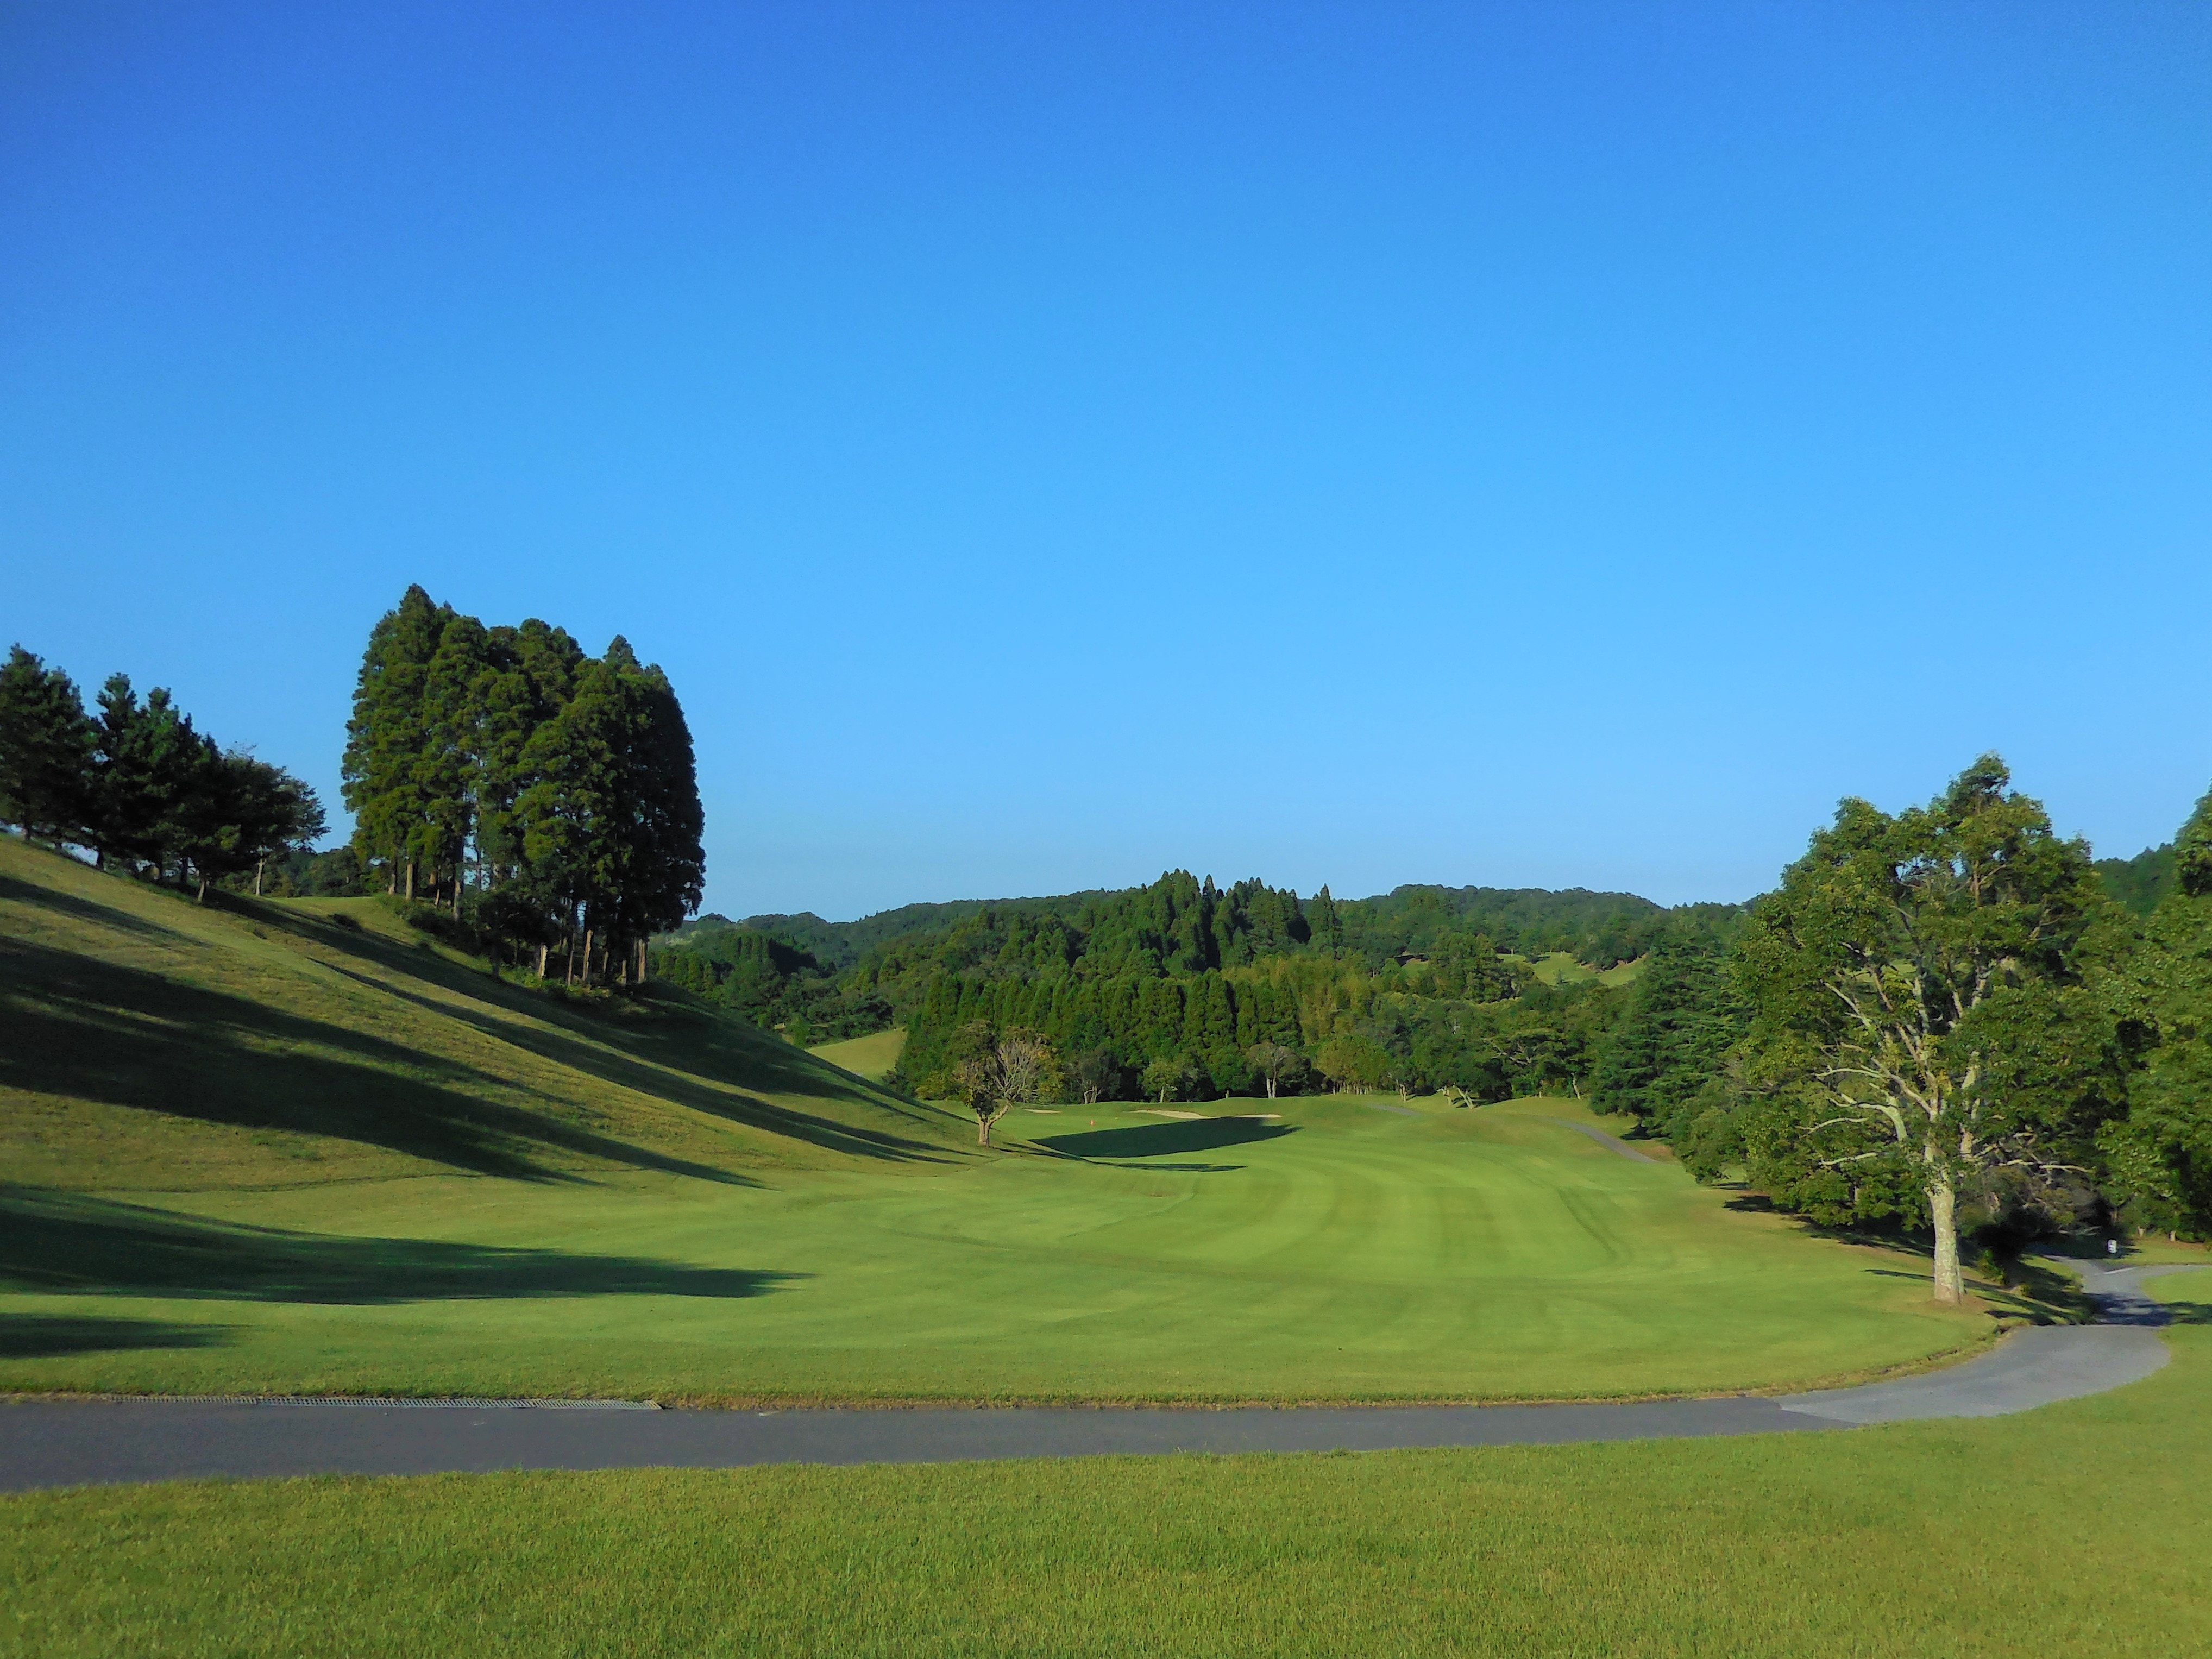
(1164, 1139)
(562, 1036)
(69, 1243)
(83, 1029)
(51, 1336)
(84, 909)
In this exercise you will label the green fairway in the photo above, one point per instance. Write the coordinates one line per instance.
(1342, 1251)
(867, 1056)
(264, 1152)
(2075, 1530)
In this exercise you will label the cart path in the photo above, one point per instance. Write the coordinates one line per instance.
(58, 1443)
(1611, 1141)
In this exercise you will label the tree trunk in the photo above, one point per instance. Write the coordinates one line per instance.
(982, 1130)
(259, 867)
(644, 961)
(542, 949)
(1944, 1210)
(410, 881)
(587, 958)
(1271, 1088)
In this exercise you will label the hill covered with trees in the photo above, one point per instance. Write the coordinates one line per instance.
(1182, 989)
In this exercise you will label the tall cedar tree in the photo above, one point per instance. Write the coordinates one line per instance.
(390, 743)
(1919, 1023)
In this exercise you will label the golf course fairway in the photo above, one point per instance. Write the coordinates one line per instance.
(1351, 1250)
(302, 1147)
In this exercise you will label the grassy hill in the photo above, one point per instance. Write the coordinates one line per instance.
(869, 1056)
(157, 1044)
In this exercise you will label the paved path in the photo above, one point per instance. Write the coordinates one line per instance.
(53, 1442)
(1615, 1142)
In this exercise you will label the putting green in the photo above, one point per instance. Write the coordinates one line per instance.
(1348, 1249)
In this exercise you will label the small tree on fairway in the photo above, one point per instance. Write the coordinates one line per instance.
(1918, 1021)
(1095, 1072)
(1279, 1067)
(1166, 1078)
(995, 1071)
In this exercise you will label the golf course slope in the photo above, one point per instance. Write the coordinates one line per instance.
(155, 1042)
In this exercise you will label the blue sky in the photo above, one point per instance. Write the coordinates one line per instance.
(1527, 445)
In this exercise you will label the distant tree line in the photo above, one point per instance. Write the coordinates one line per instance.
(553, 792)
(135, 783)
(1183, 990)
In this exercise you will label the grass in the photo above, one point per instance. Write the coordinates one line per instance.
(259, 1152)
(156, 1044)
(1342, 1252)
(867, 1056)
(2077, 1528)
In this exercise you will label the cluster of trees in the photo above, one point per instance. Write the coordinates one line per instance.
(1948, 1016)
(137, 784)
(1184, 990)
(771, 981)
(555, 790)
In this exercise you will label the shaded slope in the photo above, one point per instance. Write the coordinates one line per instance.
(156, 1044)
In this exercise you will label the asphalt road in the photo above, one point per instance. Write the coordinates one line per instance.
(58, 1443)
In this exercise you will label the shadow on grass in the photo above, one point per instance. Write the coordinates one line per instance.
(50, 1336)
(692, 1041)
(83, 909)
(1165, 1140)
(219, 1057)
(83, 1029)
(68, 1242)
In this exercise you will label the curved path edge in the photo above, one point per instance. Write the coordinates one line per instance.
(63, 1443)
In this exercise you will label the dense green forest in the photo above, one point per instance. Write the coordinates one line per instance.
(1183, 990)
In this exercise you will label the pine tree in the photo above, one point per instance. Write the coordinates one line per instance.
(148, 763)
(45, 750)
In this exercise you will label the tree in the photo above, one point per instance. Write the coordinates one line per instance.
(2158, 1160)
(994, 1072)
(1279, 1067)
(1681, 1017)
(1917, 1013)
(1097, 1071)
(45, 750)
(148, 765)
(1167, 1078)
(241, 813)
(389, 738)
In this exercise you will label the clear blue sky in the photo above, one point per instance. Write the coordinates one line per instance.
(1552, 445)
